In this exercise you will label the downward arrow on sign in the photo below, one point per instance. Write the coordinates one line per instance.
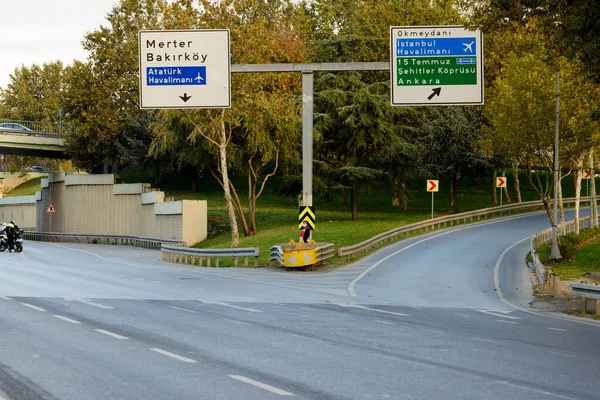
(185, 97)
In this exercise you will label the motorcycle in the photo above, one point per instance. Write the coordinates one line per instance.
(18, 246)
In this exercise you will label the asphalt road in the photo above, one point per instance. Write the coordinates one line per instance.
(441, 316)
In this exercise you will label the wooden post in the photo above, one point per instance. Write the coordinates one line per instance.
(583, 305)
(597, 307)
(217, 261)
(235, 261)
(246, 261)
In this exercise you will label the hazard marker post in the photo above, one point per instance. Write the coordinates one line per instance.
(432, 186)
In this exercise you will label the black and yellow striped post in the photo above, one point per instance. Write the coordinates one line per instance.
(307, 213)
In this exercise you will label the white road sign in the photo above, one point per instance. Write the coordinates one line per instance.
(436, 65)
(185, 69)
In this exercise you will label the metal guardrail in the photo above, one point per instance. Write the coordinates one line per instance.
(443, 222)
(187, 255)
(544, 237)
(325, 252)
(586, 292)
(137, 241)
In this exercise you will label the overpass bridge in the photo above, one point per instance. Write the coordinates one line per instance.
(36, 139)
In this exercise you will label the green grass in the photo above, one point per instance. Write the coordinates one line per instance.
(26, 188)
(586, 260)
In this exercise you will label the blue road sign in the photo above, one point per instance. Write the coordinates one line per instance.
(466, 46)
(175, 76)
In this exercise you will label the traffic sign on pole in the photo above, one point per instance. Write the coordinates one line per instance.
(433, 185)
(436, 65)
(185, 69)
(586, 174)
(501, 181)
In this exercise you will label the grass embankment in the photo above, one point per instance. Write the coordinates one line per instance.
(26, 188)
(581, 255)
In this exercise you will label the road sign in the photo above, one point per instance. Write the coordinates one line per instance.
(433, 185)
(185, 69)
(586, 174)
(501, 182)
(436, 65)
(307, 213)
(51, 209)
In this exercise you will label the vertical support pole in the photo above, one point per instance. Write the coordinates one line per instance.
(501, 193)
(554, 250)
(432, 204)
(307, 137)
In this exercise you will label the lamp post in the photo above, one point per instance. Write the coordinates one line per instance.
(554, 250)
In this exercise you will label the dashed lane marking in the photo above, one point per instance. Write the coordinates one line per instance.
(261, 385)
(230, 305)
(173, 355)
(5, 298)
(557, 329)
(66, 319)
(372, 309)
(111, 334)
(505, 321)
(184, 309)
(463, 315)
(238, 322)
(487, 340)
(383, 322)
(34, 307)
(498, 313)
(533, 390)
(89, 303)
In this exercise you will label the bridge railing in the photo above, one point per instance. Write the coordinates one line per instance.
(34, 128)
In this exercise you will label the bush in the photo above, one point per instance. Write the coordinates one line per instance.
(568, 250)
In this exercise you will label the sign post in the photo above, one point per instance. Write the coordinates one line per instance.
(436, 65)
(185, 69)
(432, 186)
(501, 183)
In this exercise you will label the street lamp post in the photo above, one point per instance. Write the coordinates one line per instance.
(554, 250)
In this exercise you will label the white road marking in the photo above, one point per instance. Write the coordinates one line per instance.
(557, 329)
(5, 298)
(487, 340)
(66, 319)
(98, 290)
(133, 298)
(533, 390)
(173, 355)
(351, 287)
(238, 322)
(261, 385)
(89, 303)
(431, 330)
(157, 282)
(112, 334)
(508, 303)
(306, 308)
(563, 354)
(304, 337)
(463, 315)
(34, 307)
(178, 285)
(184, 309)
(383, 322)
(140, 279)
(505, 321)
(372, 309)
(229, 305)
(498, 313)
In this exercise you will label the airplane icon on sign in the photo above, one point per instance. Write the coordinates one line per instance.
(468, 46)
(199, 78)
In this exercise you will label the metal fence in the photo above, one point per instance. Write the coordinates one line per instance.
(187, 255)
(137, 241)
(34, 128)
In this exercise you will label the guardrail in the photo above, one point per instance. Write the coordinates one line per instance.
(187, 255)
(137, 241)
(443, 222)
(544, 237)
(50, 129)
(586, 292)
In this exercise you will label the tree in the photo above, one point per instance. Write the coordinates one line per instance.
(449, 135)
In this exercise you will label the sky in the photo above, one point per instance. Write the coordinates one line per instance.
(41, 31)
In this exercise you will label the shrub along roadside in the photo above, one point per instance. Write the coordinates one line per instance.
(581, 255)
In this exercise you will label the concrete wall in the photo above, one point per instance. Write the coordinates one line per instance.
(93, 204)
(20, 209)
